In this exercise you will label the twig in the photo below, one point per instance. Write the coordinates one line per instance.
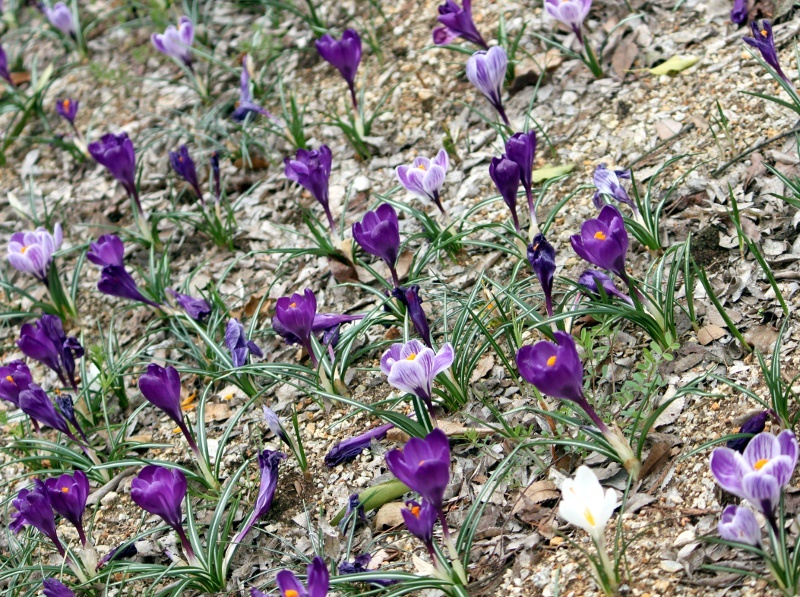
(112, 485)
(661, 144)
(721, 169)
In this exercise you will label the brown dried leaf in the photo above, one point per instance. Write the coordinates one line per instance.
(762, 337)
(19, 78)
(483, 367)
(217, 411)
(709, 333)
(536, 493)
(342, 272)
(656, 459)
(623, 57)
(389, 516)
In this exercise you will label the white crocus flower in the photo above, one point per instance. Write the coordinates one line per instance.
(584, 505)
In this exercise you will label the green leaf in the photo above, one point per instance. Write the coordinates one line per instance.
(674, 65)
(376, 496)
(547, 172)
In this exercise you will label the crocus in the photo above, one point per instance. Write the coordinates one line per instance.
(246, 105)
(106, 250)
(570, 13)
(764, 42)
(592, 280)
(238, 344)
(542, 257)
(359, 565)
(34, 402)
(424, 465)
(31, 252)
(67, 409)
(378, 233)
(183, 164)
(754, 425)
(604, 242)
(160, 491)
(505, 175)
(425, 177)
(162, 388)
(585, 505)
(412, 368)
(419, 519)
(67, 109)
(311, 169)
(68, 494)
(318, 581)
(740, 525)
(14, 378)
(521, 149)
(45, 341)
(196, 308)
(268, 462)
(4, 72)
(34, 509)
(176, 43)
(118, 553)
(116, 281)
(457, 22)
(351, 447)
(116, 153)
(274, 424)
(323, 322)
(739, 12)
(295, 315)
(409, 296)
(60, 17)
(486, 70)
(760, 472)
(214, 160)
(607, 183)
(53, 588)
(345, 55)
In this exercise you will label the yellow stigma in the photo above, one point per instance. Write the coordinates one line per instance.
(588, 516)
(551, 361)
(65, 490)
(23, 249)
(291, 593)
(65, 105)
(411, 357)
(415, 511)
(421, 166)
(761, 463)
(764, 33)
(599, 235)
(11, 379)
(293, 305)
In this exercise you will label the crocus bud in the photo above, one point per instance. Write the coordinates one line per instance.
(162, 388)
(424, 465)
(4, 72)
(116, 153)
(542, 257)
(311, 169)
(45, 341)
(457, 22)
(378, 233)
(34, 509)
(215, 174)
(238, 344)
(274, 424)
(521, 149)
(754, 425)
(53, 588)
(196, 308)
(505, 174)
(486, 70)
(183, 164)
(116, 281)
(106, 250)
(739, 12)
(68, 494)
(592, 280)
(353, 446)
(268, 462)
(607, 183)
(60, 17)
(35, 403)
(409, 296)
(345, 55)
(246, 105)
(67, 410)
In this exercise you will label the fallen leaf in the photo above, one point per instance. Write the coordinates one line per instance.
(389, 516)
(542, 174)
(674, 65)
(623, 57)
(483, 367)
(19, 78)
(217, 411)
(342, 272)
(656, 459)
(536, 493)
(709, 333)
(762, 337)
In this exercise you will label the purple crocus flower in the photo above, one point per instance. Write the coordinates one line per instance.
(160, 491)
(754, 425)
(764, 42)
(591, 278)
(323, 322)
(378, 233)
(34, 402)
(419, 519)
(359, 566)
(183, 164)
(53, 588)
(68, 494)
(409, 296)
(116, 153)
(196, 308)
(246, 105)
(274, 424)
(760, 472)
(60, 17)
(486, 70)
(607, 183)
(457, 22)
(161, 387)
(268, 462)
(67, 109)
(604, 241)
(412, 368)
(238, 344)
(34, 509)
(424, 465)
(318, 581)
(106, 250)
(176, 43)
(345, 55)
(542, 257)
(120, 552)
(45, 341)
(739, 12)
(311, 169)
(348, 449)
(31, 252)
(739, 525)
(505, 175)
(116, 281)
(215, 175)
(14, 378)
(570, 13)
(67, 409)
(425, 177)
(295, 315)
(521, 149)
(4, 72)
